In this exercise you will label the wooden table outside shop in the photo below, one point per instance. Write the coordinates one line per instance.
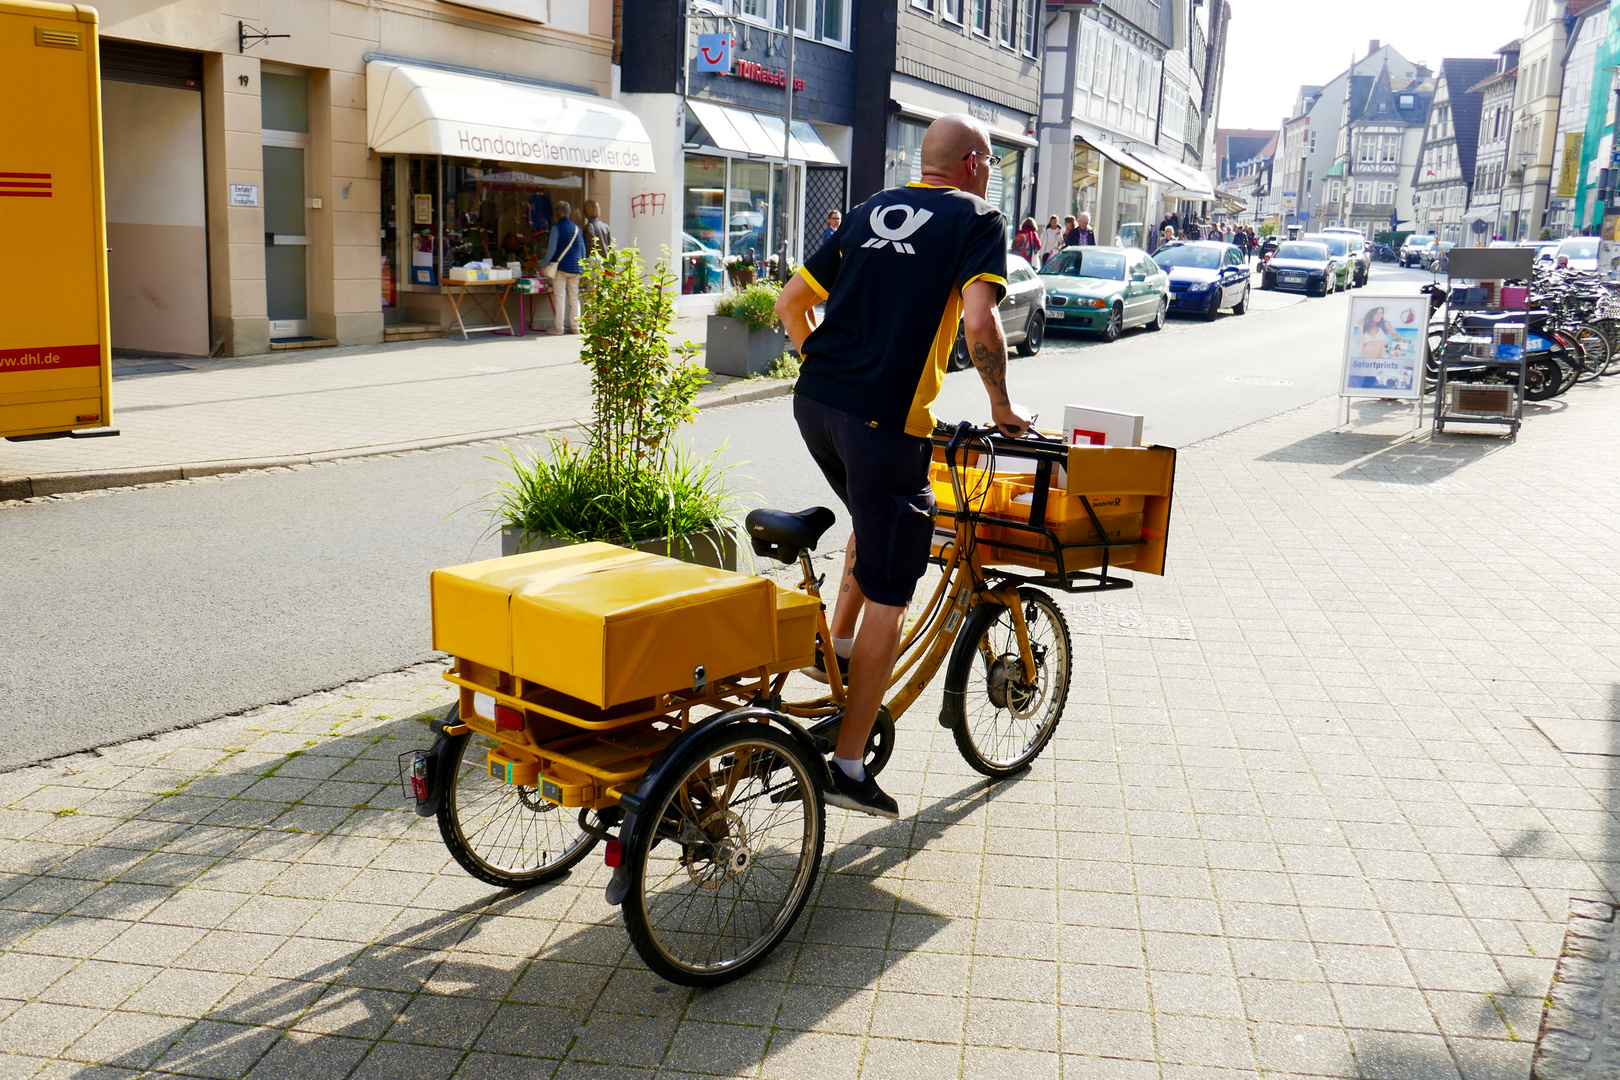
(457, 291)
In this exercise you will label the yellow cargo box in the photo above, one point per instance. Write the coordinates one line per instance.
(606, 624)
(795, 629)
(55, 356)
(472, 604)
(625, 629)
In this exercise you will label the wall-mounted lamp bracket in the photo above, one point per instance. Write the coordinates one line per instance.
(244, 32)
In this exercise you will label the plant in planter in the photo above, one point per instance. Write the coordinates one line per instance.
(745, 336)
(628, 482)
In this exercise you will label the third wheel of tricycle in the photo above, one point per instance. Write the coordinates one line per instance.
(731, 852)
(1002, 716)
(502, 833)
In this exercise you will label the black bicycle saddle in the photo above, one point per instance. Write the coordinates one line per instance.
(778, 534)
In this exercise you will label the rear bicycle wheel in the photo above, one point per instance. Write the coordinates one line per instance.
(733, 852)
(1002, 719)
(503, 833)
(1595, 352)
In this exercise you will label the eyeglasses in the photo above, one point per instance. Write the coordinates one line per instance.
(989, 158)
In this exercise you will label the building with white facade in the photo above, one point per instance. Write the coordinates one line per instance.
(1318, 127)
(1496, 92)
(1535, 117)
(1124, 95)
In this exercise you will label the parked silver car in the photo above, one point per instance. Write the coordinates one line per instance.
(1023, 314)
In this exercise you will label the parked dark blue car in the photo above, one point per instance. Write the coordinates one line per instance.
(1205, 276)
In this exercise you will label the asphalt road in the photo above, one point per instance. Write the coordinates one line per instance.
(128, 613)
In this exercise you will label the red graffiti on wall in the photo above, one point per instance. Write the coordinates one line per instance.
(648, 204)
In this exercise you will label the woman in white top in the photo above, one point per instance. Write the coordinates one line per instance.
(1051, 238)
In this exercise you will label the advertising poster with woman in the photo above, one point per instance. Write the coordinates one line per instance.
(1384, 347)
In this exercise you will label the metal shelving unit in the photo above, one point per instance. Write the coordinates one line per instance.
(1476, 279)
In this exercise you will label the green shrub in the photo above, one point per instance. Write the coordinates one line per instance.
(754, 307)
(565, 493)
(630, 480)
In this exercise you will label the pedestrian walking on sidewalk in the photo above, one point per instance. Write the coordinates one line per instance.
(1051, 238)
(1027, 242)
(1081, 235)
(567, 250)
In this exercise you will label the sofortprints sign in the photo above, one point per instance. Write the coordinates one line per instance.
(1383, 347)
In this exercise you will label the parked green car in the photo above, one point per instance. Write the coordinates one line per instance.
(1106, 290)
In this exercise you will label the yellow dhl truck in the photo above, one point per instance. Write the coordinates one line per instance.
(55, 349)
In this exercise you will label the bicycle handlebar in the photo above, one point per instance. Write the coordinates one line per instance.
(1032, 445)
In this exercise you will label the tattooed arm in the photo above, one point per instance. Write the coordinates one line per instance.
(987, 346)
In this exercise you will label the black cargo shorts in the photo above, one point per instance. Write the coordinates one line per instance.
(882, 478)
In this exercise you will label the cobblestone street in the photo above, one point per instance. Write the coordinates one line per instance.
(1320, 805)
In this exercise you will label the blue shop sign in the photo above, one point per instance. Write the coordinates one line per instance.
(713, 53)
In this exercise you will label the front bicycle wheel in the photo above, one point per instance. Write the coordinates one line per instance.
(503, 833)
(733, 850)
(1001, 717)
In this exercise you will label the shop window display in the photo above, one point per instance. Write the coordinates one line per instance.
(1087, 176)
(703, 230)
(748, 204)
(501, 212)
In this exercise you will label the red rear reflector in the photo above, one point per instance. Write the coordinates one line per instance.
(614, 854)
(508, 719)
(419, 788)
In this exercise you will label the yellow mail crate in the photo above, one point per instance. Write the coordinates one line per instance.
(605, 624)
(795, 629)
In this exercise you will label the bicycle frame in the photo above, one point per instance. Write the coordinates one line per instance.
(964, 584)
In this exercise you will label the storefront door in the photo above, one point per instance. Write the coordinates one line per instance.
(786, 223)
(285, 104)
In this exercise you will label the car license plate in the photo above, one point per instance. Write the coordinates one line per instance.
(1056, 315)
(1292, 277)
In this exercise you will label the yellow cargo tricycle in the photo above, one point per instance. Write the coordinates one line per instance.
(610, 695)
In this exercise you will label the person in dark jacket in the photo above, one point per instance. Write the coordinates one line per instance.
(598, 237)
(567, 250)
(1083, 236)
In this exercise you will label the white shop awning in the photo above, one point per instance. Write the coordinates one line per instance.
(1186, 181)
(760, 134)
(427, 110)
(1119, 157)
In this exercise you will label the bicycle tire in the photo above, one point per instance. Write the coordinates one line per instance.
(473, 794)
(994, 674)
(701, 846)
(1595, 353)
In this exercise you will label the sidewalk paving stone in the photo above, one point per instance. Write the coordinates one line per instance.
(1300, 820)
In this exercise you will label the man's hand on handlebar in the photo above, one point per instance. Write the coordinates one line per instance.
(1011, 419)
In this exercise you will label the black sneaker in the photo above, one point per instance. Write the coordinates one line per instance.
(818, 670)
(862, 795)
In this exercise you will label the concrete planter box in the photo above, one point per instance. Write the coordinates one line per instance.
(734, 349)
(711, 547)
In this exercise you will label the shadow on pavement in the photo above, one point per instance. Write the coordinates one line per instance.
(465, 978)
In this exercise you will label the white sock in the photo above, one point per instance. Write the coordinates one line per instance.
(843, 646)
(852, 769)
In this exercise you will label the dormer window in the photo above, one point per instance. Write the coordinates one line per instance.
(1407, 101)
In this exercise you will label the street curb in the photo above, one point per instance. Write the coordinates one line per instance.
(30, 487)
